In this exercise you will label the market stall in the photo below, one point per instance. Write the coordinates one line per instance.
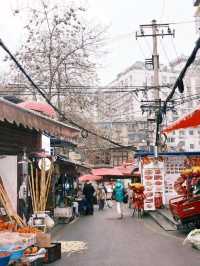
(65, 185)
(23, 243)
(159, 175)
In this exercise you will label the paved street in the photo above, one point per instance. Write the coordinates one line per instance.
(127, 242)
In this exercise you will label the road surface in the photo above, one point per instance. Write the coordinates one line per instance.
(127, 242)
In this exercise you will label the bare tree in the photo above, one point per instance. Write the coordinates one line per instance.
(60, 52)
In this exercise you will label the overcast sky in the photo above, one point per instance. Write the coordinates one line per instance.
(124, 18)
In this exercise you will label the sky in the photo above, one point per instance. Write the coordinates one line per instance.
(123, 19)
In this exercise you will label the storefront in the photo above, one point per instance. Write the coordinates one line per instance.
(160, 174)
(21, 138)
(65, 186)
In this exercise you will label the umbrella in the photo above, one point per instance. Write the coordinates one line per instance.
(84, 178)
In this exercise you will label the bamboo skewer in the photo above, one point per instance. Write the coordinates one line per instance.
(37, 189)
(40, 187)
(33, 188)
(13, 216)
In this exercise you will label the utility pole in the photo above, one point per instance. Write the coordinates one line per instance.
(157, 30)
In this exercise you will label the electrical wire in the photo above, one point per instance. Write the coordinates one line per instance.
(62, 115)
(164, 50)
(174, 47)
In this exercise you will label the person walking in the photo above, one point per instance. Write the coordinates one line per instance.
(88, 192)
(119, 194)
(101, 197)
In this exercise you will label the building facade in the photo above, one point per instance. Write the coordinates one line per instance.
(129, 123)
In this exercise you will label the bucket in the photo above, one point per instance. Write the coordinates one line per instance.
(43, 240)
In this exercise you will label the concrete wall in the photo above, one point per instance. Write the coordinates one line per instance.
(8, 172)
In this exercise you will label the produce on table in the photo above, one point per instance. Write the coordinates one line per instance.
(7, 226)
(137, 187)
(31, 251)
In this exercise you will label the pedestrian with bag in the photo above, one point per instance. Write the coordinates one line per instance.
(88, 192)
(119, 195)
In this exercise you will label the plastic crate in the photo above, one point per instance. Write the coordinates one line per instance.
(53, 253)
(38, 262)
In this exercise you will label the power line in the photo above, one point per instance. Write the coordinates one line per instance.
(174, 46)
(164, 50)
(52, 105)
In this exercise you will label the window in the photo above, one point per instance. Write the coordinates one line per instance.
(181, 133)
(191, 146)
(191, 132)
(171, 140)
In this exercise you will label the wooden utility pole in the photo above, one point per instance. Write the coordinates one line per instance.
(156, 30)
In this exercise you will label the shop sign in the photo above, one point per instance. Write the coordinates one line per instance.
(173, 166)
(153, 181)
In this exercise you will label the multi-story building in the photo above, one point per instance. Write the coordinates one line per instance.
(185, 139)
(196, 3)
(121, 112)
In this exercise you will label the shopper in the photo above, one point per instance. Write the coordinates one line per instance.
(88, 192)
(130, 197)
(119, 194)
(101, 197)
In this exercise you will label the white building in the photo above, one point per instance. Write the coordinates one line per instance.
(186, 139)
(136, 82)
(125, 107)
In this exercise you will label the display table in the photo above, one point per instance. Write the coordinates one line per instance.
(64, 214)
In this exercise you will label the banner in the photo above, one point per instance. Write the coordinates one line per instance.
(153, 181)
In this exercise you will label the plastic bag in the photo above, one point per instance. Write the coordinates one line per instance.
(194, 238)
(49, 221)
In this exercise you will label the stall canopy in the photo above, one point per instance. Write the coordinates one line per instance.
(189, 120)
(127, 169)
(107, 172)
(85, 178)
(19, 116)
(43, 108)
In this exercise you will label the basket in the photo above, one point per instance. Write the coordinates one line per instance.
(4, 260)
(43, 240)
(38, 262)
(17, 254)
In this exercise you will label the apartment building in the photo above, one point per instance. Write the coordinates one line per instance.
(121, 112)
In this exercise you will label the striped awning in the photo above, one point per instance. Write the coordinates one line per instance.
(15, 114)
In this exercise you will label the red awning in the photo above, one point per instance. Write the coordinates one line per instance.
(190, 120)
(43, 108)
(107, 172)
(126, 169)
(15, 114)
(85, 178)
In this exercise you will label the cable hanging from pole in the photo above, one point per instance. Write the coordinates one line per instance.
(62, 115)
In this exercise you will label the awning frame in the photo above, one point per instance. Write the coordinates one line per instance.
(29, 119)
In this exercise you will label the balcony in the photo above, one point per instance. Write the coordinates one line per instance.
(196, 2)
